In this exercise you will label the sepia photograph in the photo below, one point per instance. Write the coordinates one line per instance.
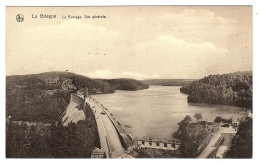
(129, 82)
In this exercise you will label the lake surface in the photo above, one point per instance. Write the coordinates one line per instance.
(155, 112)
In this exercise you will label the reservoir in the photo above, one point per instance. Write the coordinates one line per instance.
(155, 112)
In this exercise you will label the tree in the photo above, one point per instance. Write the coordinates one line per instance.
(188, 147)
(187, 119)
(185, 122)
(242, 146)
(219, 119)
(198, 116)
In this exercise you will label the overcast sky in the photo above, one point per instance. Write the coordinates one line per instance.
(134, 42)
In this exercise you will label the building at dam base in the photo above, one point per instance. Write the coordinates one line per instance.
(163, 144)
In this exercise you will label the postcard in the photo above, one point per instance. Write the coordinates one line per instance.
(129, 82)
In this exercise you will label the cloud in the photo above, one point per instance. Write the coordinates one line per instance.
(170, 44)
(171, 57)
(105, 73)
(198, 26)
(99, 74)
(165, 44)
(196, 16)
(138, 75)
(163, 39)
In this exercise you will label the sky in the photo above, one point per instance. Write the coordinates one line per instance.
(179, 42)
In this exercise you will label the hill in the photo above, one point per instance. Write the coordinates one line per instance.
(127, 84)
(43, 97)
(168, 82)
(234, 89)
(57, 81)
(35, 103)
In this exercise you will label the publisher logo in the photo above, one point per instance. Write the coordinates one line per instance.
(19, 18)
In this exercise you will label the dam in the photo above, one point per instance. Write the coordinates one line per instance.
(114, 140)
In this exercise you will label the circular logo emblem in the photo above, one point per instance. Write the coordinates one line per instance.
(20, 18)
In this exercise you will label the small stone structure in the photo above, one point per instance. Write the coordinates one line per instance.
(164, 144)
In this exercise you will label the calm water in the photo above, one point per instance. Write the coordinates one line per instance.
(155, 112)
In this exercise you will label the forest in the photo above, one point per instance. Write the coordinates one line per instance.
(51, 141)
(233, 89)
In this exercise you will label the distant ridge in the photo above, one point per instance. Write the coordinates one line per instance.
(127, 84)
(168, 82)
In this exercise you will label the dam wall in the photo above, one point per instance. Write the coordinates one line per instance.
(74, 111)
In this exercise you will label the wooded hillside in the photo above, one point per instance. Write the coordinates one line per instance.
(234, 89)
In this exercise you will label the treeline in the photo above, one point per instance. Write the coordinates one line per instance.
(242, 146)
(219, 119)
(127, 84)
(70, 81)
(168, 82)
(228, 89)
